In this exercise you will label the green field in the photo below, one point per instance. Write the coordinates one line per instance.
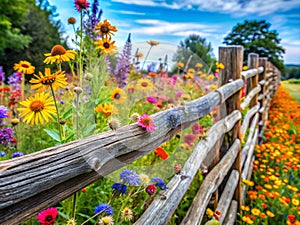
(293, 89)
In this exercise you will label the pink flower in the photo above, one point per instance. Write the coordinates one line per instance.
(48, 216)
(197, 128)
(146, 121)
(151, 100)
(151, 189)
(189, 139)
(81, 4)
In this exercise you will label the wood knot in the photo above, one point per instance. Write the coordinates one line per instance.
(173, 120)
(96, 164)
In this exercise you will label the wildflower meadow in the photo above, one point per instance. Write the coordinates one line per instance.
(96, 87)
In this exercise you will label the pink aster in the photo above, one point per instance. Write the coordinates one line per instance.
(81, 4)
(48, 216)
(189, 139)
(197, 128)
(151, 100)
(146, 122)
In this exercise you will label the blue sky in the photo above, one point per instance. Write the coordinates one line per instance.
(170, 21)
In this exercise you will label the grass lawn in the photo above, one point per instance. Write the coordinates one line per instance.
(293, 89)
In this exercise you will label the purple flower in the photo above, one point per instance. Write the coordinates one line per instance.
(61, 102)
(2, 154)
(3, 112)
(2, 75)
(104, 208)
(6, 135)
(130, 177)
(151, 100)
(121, 188)
(159, 183)
(15, 79)
(123, 64)
(17, 154)
(92, 19)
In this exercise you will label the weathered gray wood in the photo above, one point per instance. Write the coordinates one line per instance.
(262, 82)
(251, 72)
(250, 96)
(249, 138)
(31, 183)
(250, 168)
(228, 89)
(253, 64)
(227, 195)
(161, 209)
(269, 75)
(247, 118)
(231, 215)
(249, 155)
(209, 186)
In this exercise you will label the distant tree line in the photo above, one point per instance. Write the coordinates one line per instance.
(290, 72)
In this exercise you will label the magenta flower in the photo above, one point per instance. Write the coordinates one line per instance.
(146, 122)
(197, 128)
(151, 100)
(151, 189)
(189, 139)
(48, 216)
(81, 4)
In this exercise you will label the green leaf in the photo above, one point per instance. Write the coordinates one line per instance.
(67, 114)
(54, 134)
(69, 138)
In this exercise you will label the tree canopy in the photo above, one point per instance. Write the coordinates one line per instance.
(256, 37)
(194, 44)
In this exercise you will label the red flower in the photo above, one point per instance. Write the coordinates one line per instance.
(161, 153)
(81, 4)
(83, 190)
(291, 217)
(48, 216)
(151, 189)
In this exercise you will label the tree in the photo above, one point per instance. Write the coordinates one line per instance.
(44, 33)
(256, 37)
(194, 44)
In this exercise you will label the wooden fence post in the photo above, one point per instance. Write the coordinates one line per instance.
(253, 64)
(262, 78)
(232, 58)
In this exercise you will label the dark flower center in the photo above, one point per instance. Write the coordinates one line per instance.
(47, 80)
(25, 65)
(104, 29)
(49, 218)
(58, 50)
(117, 96)
(37, 106)
(146, 121)
(106, 45)
(144, 84)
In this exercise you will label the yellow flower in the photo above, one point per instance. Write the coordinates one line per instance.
(56, 80)
(180, 64)
(198, 65)
(59, 54)
(245, 208)
(270, 214)
(247, 220)
(268, 186)
(295, 202)
(153, 43)
(24, 67)
(118, 96)
(105, 28)
(209, 212)
(107, 109)
(106, 45)
(220, 66)
(255, 211)
(38, 109)
(144, 85)
(106, 220)
(245, 67)
(126, 214)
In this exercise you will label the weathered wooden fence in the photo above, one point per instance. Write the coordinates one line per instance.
(34, 182)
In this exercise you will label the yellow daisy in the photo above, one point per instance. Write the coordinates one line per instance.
(118, 96)
(144, 85)
(105, 28)
(24, 67)
(59, 54)
(56, 79)
(106, 45)
(107, 109)
(37, 109)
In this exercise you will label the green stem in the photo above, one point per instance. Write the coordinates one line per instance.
(80, 49)
(57, 112)
(146, 57)
(77, 116)
(74, 205)
(23, 86)
(124, 203)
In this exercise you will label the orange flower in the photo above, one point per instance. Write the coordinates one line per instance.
(161, 153)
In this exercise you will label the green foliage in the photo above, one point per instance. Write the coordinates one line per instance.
(256, 37)
(289, 72)
(39, 31)
(194, 44)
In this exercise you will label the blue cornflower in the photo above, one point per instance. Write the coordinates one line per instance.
(3, 112)
(159, 183)
(122, 188)
(17, 154)
(130, 176)
(104, 208)
(2, 154)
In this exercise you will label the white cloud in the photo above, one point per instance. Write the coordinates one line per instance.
(237, 7)
(159, 27)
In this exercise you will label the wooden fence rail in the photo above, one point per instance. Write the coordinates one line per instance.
(36, 181)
